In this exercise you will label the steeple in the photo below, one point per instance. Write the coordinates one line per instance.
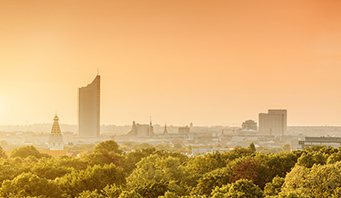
(56, 137)
(151, 128)
(165, 130)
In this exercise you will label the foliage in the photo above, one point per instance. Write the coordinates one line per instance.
(309, 159)
(239, 189)
(107, 146)
(25, 151)
(155, 169)
(148, 172)
(130, 194)
(152, 189)
(28, 184)
(2, 153)
(247, 168)
(96, 177)
(335, 157)
(286, 147)
(274, 187)
(210, 180)
(252, 147)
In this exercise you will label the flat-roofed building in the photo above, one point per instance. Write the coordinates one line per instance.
(273, 123)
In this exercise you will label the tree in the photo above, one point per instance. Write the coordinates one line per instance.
(274, 187)
(210, 180)
(2, 153)
(252, 147)
(107, 146)
(96, 177)
(286, 147)
(240, 189)
(309, 159)
(28, 184)
(335, 157)
(154, 169)
(245, 188)
(102, 158)
(132, 158)
(130, 194)
(245, 168)
(25, 151)
(152, 189)
(49, 169)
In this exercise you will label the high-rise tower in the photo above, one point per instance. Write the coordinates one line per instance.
(89, 109)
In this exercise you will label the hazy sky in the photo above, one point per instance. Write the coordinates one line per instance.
(179, 61)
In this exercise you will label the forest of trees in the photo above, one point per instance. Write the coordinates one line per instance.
(107, 171)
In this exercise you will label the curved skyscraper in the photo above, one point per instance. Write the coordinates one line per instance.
(89, 109)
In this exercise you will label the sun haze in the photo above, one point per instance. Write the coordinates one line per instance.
(213, 62)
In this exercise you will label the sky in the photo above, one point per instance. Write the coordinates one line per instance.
(217, 62)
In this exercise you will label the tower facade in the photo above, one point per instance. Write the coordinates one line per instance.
(273, 123)
(89, 109)
(56, 138)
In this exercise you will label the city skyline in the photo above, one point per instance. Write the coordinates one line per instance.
(216, 63)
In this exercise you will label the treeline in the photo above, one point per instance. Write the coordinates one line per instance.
(109, 172)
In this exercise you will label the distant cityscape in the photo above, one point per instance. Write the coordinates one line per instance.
(271, 131)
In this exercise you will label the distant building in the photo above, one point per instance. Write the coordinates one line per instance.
(141, 130)
(273, 123)
(320, 141)
(56, 138)
(89, 109)
(165, 130)
(249, 124)
(184, 130)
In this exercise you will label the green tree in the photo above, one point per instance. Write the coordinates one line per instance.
(154, 169)
(252, 147)
(210, 180)
(71, 162)
(333, 158)
(96, 177)
(311, 158)
(130, 194)
(132, 158)
(90, 194)
(102, 158)
(49, 169)
(240, 189)
(274, 187)
(25, 151)
(107, 146)
(152, 189)
(28, 184)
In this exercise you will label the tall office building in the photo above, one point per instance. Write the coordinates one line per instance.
(89, 109)
(273, 123)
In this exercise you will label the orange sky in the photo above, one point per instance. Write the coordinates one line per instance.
(207, 62)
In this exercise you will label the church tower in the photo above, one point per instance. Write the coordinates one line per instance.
(165, 130)
(56, 137)
(151, 128)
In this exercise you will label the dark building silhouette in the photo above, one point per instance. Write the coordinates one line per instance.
(89, 109)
